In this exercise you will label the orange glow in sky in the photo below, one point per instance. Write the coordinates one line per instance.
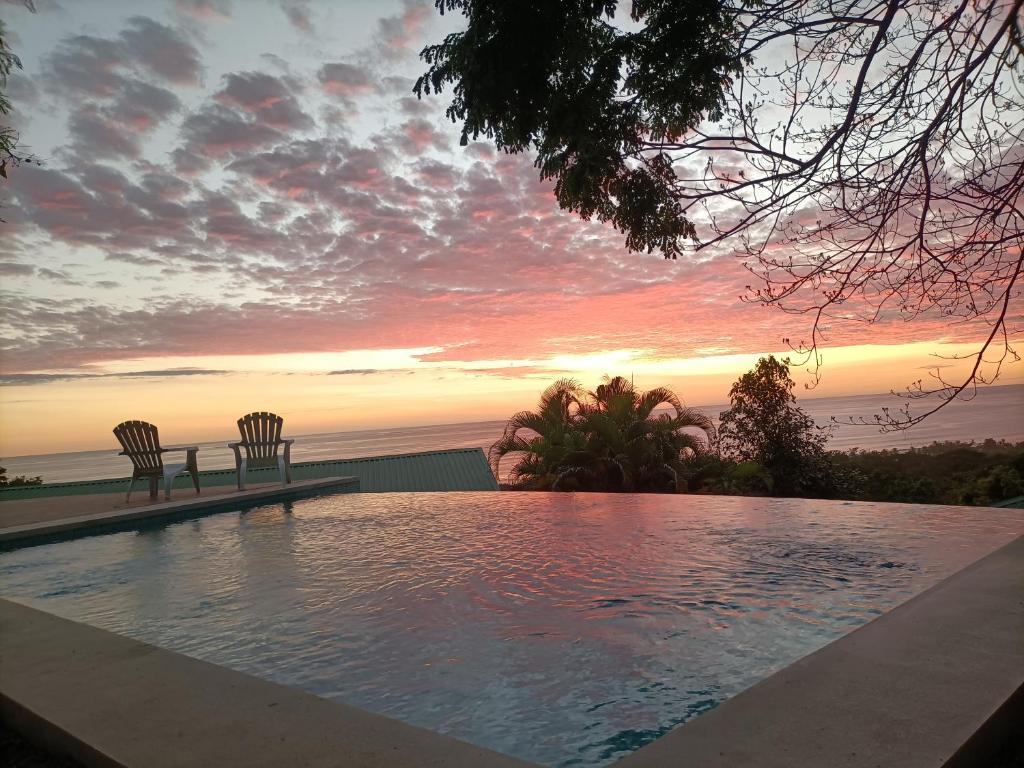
(391, 388)
(250, 210)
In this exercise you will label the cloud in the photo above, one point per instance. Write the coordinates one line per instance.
(28, 379)
(105, 85)
(354, 372)
(94, 66)
(276, 234)
(140, 106)
(396, 34)
(422, 135)
(345, 80)
(205, 10)
(85, 65)
(298, 13)
(13, 269)
(267, 99)
(162, 50)
(216, 131)
(93, 134)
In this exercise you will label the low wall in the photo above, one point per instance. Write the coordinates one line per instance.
(75, 526)
(454, 469)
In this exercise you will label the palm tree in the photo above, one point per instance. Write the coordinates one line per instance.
(612, 440)
(555, 437)
(642, 451)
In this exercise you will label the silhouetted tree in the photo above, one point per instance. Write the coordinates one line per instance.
(19, 480)
(866, 156)
(608, 440)
(9, 153)
(764, 425)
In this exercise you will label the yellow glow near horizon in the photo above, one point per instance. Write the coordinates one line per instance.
(403, 390)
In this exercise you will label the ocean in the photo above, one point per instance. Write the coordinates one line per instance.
(996, 412)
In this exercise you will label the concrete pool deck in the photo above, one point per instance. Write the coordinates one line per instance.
(35, 518)
(106, 700)
(937, 681)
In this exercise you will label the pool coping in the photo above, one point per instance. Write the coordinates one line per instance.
(194, 506)
(933, 682)
(106, 700)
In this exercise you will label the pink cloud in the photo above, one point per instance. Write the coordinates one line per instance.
(269, 100)
(345, 80)
(398, 33)
(204, 10)
(361, 243)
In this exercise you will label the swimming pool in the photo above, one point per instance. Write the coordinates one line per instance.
(564, 629)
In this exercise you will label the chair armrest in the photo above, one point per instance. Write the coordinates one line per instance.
(287, 441)
(180, 448)
(236, 446)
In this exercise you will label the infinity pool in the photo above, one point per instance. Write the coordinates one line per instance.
(564, 629)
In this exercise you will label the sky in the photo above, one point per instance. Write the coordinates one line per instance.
(242, 206)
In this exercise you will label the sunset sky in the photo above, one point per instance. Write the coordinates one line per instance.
(241, 206)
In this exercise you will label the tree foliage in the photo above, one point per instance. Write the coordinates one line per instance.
(764, 425)
(18, 480)
(10, 155)
(865, 156)
(561, 79)
(610, 439)
(941, 473)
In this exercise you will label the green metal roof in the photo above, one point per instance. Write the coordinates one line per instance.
(455, 469)
(1017, 502)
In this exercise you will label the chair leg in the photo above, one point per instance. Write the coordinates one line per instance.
(154, 486)
(130, 486)
(193, 470)
(242, 467)
(282, 468)
(168, 482)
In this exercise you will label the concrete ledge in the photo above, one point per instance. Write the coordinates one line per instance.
(107, 700)
(188, 507)
(931, 683)
(448, 469)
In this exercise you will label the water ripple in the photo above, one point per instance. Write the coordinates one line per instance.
(564, 629)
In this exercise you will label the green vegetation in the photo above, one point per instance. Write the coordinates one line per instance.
(768, 446)
(589, 98)
(611, 440)
(605, 440)
(941, 473)
(10, 155)
(19, 480)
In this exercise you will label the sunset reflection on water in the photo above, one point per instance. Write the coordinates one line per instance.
(565, 629)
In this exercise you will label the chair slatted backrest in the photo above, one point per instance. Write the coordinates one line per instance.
(261, 433)
(141, 444)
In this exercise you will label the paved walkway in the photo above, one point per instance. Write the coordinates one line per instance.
(34, 518)
(30, 511)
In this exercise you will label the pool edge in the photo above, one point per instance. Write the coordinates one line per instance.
(72, 527)
(107, 700)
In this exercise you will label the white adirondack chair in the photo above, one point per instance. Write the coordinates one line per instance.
(141, 444)
(262, 441)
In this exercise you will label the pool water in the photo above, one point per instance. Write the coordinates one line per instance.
(567, 629)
